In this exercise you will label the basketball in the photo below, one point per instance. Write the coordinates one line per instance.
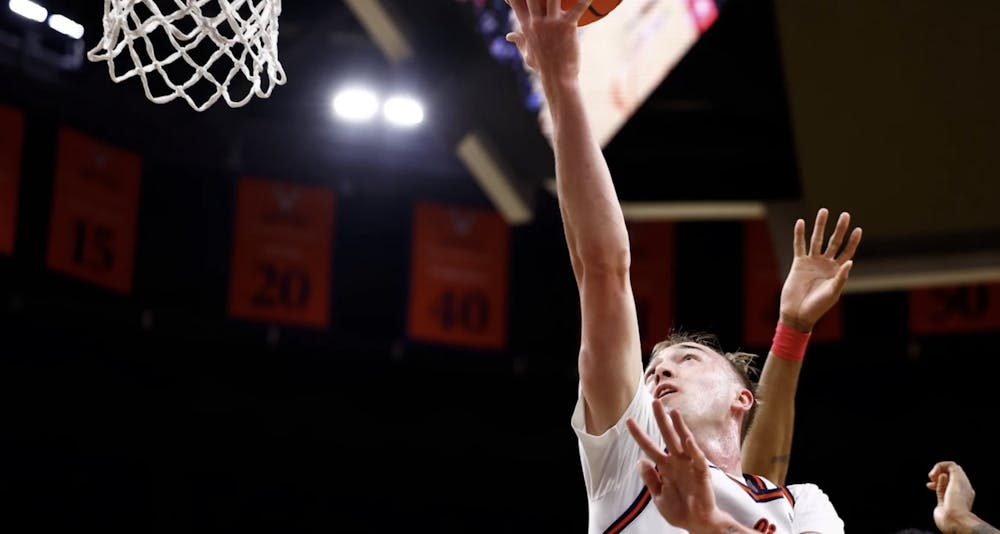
(596, 11)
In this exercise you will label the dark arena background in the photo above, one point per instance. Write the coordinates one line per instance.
(282, 321)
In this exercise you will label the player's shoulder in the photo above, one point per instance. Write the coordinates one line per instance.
(807, 493)
(814, 512)
(805, 488)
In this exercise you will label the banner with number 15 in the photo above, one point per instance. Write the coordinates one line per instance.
(95, 206)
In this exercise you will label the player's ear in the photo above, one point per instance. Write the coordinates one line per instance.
(744, 400)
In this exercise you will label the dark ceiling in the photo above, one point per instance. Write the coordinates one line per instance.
(722, 110)
(788, 106)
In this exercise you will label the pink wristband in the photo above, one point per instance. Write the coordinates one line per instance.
(789, 344)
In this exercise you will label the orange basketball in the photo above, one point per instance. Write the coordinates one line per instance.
(597, 10)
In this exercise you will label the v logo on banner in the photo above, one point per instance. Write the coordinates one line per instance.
(286, 197)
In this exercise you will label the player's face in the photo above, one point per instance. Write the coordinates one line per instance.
(693, 379)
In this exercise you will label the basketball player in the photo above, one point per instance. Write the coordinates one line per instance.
(612, 386)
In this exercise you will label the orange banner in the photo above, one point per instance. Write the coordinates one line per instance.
(95, 207)
(458, 277)
(762, 291)
(955, 310)
(11, 142)
(653, 249)
(282, 253)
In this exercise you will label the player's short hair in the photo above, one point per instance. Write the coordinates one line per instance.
(740, 362)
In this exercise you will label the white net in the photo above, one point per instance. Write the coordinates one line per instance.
(198, 50)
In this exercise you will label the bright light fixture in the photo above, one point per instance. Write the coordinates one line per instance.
(28, 10)
(355, 104)
(403, 111)
(66, 26)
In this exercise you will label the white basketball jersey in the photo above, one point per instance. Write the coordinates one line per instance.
(620, 502)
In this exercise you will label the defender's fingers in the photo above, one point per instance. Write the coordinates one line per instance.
(819, 228)
(939, 468)
(852, 246)
(841, 277)
(843, 222)
(799, 239)
(942, 486)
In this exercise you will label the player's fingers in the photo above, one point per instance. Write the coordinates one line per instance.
(683, 432)
(670, 437)
(650, 476)
(852, 246)
(691, 447)
(520, 8)
(839, 231)
(536, 7)
(577, 10)
(940, 467)
(553, 8)
(819, 228)
(648, 446)
(841, 277)
(955, 472)
(799, 239)
(698, 458)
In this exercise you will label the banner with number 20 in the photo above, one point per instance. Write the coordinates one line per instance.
(281, 259)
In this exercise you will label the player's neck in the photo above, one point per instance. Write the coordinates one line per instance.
(722, 449)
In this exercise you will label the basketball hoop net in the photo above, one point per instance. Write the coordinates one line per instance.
(218, 46)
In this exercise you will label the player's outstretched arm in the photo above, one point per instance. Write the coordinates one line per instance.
(610, 360)
(813, 286)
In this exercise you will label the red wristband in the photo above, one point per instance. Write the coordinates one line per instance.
(789, 344)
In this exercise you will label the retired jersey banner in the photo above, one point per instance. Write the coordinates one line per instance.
(95, 208)
(458, 277)
(955, 310)
(762, 283)
(653, 247)
(11, 142)
(282, 253)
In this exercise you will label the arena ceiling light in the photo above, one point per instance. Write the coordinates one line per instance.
(356, 104)
(28, 10)
(404, 111)
(360, 104)
(66, 26)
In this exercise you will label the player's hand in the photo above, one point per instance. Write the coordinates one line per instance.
(954, 495)
(679, 481)
(817, 276)
(547, 36)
